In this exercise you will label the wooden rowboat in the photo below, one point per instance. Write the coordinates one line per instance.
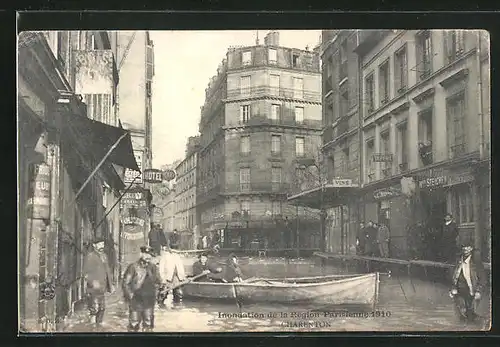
(332, 290)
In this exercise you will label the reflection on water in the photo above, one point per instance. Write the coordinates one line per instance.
(403, 306)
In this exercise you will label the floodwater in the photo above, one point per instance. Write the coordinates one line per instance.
(404, 305)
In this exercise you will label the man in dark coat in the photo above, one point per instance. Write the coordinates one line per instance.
(202, 265)
(371, 239)
(449, 239)
(233, 272)
(99, 279)
(157, 238)
(469, 279)
(361, 239)
(140, 283)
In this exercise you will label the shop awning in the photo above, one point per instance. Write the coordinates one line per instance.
(100, 137)
(333, 195)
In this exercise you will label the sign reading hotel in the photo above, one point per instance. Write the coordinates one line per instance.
(382, 158)
(131, 174)
(153, 176)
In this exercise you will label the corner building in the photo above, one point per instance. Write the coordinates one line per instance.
(425, 120)
(262, 113)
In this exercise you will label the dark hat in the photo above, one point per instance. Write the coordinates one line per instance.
(147, 250)
(204, 254)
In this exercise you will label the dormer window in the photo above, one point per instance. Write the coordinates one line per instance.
(273, 56)
(247, 58)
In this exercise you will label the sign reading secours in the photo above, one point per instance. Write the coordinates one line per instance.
(153, 176)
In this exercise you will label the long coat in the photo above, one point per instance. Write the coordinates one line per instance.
(134, 277)
(157, 239)
(477, 272)
(97, 273)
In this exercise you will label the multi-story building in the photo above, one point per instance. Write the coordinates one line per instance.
(64, 194)
(262, 115)
(186, 220)
(341, 135)
(425, 115)
(135, 66)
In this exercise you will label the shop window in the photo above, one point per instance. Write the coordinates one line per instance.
(463, 204)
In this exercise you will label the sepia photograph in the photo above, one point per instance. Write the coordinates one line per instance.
(254, 181)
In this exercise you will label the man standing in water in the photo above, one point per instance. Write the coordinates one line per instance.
(172, 272)
(99, 280)
(139, 289)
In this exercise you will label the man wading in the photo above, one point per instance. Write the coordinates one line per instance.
(98, 277)
(172, 273)
(139, 289)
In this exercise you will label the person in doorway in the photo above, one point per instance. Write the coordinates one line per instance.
(468, 282)
(233, 271)
(383, 238)
(157, 238)
(172, 272)
(99, 280)
(371, 239)
(361, 239)
(449, 239)
(140, 282)
(203, 266)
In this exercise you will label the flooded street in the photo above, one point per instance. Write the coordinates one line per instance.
(403, 306)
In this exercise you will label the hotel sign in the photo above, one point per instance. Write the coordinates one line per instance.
(153, 176)
(382, 158)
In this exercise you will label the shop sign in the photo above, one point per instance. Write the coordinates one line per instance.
(386, 193)
(459, 179)
(133, 221)
(342, 183)
(138, 203)
(168, 175)
(131, 174)
(132, 236)
(153, 176)
(433, 182)
(39, 204)
(382, 157)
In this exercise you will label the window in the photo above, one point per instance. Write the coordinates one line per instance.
(370, 167)
(276, 207)
(384, 82)
(385, 148)
(454, 44)
(370, 93)
(273, 56)
(245, 178)
(402, 146)
(343, 61)
(245, 85)
(295, 60)
(245, 207)
(401, 70)
(344, 103)
(245, 145)
(275, 144)
(425, 127)
(93, 44)
(455, 108)
(462, 203)
(246, 58)
(345, 160)
(298, 88)
(275, 112)
(299, 115)
(274, 83)
(276, 178)
(424, 54)
(299, 147)
(244, 113)
(99, 107)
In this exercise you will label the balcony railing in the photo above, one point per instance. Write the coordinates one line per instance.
(262, 119)
(458, 150)
(276, 187)
(288, 93)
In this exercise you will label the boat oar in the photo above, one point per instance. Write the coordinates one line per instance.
(191, 279)
(401, 286)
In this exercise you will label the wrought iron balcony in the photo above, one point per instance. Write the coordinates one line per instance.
(287, 93)
(257, 187)
(263, 119)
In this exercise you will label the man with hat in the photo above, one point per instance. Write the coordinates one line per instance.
(171, 271)
(468, 281)
(99, 280)
(233, 271)
(157, 238)
(203, 266)
(140, 283)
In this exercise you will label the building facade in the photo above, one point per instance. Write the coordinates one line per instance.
(425, 134)
(135, 65)
(64, 205)
(186, 220)
(341, 134)
(262, 115)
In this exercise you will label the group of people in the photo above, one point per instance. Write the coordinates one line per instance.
(148, 281)
(373, 240)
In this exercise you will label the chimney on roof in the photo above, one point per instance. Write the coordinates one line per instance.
(272, 39)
